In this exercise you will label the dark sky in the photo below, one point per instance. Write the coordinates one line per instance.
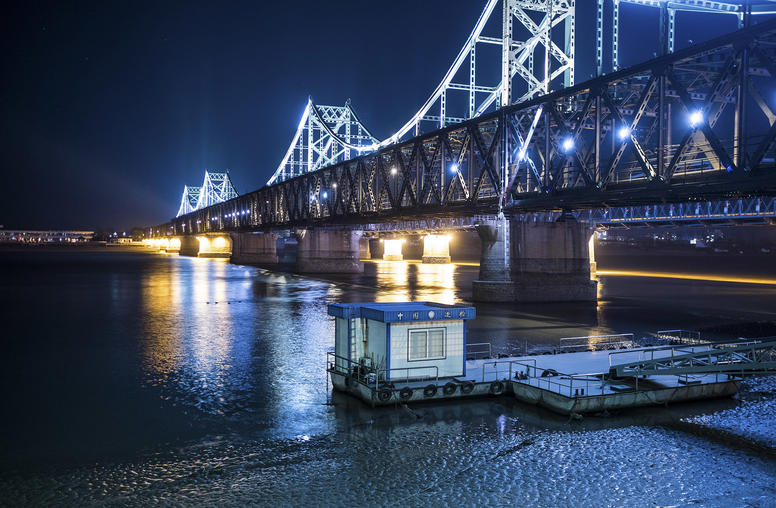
(109, 108)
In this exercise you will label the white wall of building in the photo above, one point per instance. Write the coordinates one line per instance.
(450, 365)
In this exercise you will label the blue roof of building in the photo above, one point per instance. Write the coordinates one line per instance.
(393, 312)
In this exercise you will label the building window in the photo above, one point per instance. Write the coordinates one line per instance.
(427, 344)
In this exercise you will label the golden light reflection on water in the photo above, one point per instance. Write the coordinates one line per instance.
(687, 276)
(433, 282)
(161, 297)
(189, 337)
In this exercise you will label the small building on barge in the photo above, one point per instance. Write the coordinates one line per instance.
(399, 341)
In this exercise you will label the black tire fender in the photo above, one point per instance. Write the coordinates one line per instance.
(467, 387)
(430, 391)
(496, 387)
(405, 393)
(384, 395)
(449, 388)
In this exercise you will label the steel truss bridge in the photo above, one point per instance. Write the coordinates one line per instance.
(697, 124)
(216, 188)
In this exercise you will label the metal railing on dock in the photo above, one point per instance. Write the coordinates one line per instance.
(478, 350)
(578, 385)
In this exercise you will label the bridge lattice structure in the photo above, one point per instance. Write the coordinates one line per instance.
(721, 212)
(694, 124)
(216, 188)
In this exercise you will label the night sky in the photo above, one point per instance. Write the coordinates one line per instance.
(109, 108)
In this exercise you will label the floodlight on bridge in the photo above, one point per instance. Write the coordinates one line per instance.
(696, 118)
(624, 133)
(453, 167)
(568, 144)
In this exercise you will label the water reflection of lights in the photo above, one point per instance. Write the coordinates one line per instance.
(438, 281)
(392, 279)
(193, 351)
(687, 276)
(435, 282)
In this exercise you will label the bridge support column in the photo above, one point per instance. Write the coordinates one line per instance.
(254, 248)
(545, 262)
(551, 262)
(215, 246)
(364, 249)
(329, 251)
(189, 246)
(173, 245)
(494, 284)
(392, 249)
(436, 249)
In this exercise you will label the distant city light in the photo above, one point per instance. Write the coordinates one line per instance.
(334, 186)
(624, 133)
(393, 170)
(568, 144)
(696, 118)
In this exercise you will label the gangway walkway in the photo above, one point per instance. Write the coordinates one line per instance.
(754, 357)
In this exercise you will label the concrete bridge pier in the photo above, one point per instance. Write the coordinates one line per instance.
(330, 251)
(254, 248)
(206, 246)
(189, 246)
(495, 283)
(392, 249)
(547, 262)
(172, 245)
(436, 249)
(551, 262)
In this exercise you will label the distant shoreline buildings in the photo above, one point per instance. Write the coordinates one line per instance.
(45, 236)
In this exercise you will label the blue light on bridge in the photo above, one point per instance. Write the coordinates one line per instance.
(696, 118)
(453, 167)
(325, 195)
(568, 144)
(624, 133)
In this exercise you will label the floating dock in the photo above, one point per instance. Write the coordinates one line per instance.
(577, 382)
(389, 353)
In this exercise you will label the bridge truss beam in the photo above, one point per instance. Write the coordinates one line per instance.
(661, 131)
(325, 136)
(732, 212)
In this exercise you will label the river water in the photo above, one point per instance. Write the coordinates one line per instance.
(138, 377)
